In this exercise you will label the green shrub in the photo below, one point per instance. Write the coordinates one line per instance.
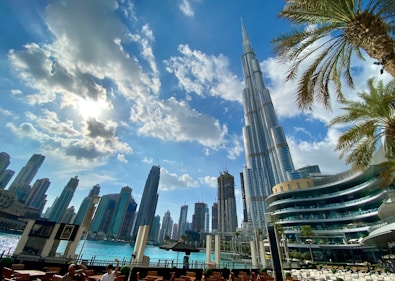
(125, 270)
(208, 272)
(6, 262)
(339, 279)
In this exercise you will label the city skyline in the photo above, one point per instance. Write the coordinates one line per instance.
(106, 93)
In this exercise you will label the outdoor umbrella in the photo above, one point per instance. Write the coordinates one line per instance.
(179, 247)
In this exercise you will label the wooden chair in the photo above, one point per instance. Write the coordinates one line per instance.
(7, 273)
(22, 276)
(48, 276)
(90, 272)
(57, 277)
(120, 278)
(152, 273)
(53, 269)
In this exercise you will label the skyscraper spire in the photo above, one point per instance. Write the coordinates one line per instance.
(268, 161)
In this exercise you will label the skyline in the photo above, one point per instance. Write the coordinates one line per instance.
(105, 90)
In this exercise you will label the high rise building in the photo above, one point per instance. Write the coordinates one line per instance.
(21, 185)
(174, 233)
(148, 201)
(155, 228)
(214, 218)
(167, 226)
(37, 197)
(182, 221)
(120, 212)
(95, 190)
(4, 161)
(104, 213)
(227, 215)
(199, 217)
(268, 160)
(5, 178)
(61, 204)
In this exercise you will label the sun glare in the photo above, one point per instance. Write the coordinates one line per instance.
(89, 108)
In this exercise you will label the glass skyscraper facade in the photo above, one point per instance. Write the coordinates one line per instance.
(148, 201)
(21, 185)
(62, 202)
(268, 160)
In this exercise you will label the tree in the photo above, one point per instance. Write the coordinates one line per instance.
(306, 231)
(329, 33)
(370, 120)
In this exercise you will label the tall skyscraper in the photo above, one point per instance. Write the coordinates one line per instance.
(155, 229)
(199, 217)
(5, 178)
(182, 221)
(268, 160)
(95, 190)
(227, 215)
(214, 218)
(148, 201)
(167, 226)
(37, 197)
(4, 161)
(120, 211)
(21, 185)
(104, 214)
(60, 206)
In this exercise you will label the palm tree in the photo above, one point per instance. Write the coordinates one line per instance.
(338, 30)
(306, 231)
(370, 120)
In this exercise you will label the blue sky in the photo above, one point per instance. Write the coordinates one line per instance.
(106, 89)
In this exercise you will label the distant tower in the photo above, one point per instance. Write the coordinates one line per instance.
(227, 215)
(167, 226)
(37, 197)
(199, 218)
(148, 201)
(5, 178)
(104, 213)
(182, 221)
(268, 160)
(155, 228)
(60, 206)
(21, 185)
(214, 218)
(88, 201)
(4, 161)
(120, 212)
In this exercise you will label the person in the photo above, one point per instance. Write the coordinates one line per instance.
(111, 273)
(75, 273)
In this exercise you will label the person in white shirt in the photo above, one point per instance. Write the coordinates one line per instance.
(111, 273)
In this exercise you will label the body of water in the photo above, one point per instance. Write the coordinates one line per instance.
(108, 251)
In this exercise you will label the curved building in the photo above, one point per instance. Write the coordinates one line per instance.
(339, 211)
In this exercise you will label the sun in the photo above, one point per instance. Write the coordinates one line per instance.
(89, 108)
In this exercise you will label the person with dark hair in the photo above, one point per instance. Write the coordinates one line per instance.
(75, 273)
(111, 273)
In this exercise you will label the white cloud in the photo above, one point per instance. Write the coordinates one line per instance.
(186, 8)
(204, 75)
(171, 181)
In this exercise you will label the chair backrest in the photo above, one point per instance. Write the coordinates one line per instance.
(57, 277)
(7, 272)
(152, 273)
(120, 278)
(190, 274)
(90, 272)
(48, 276)
(22, 276)
(53, 269)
